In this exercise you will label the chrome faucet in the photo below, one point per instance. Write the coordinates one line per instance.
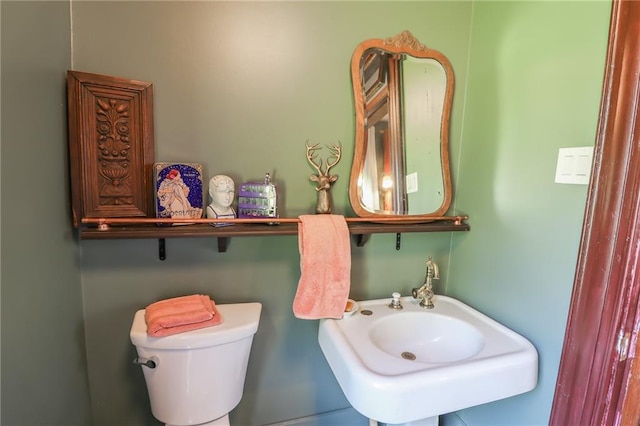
(425, 292)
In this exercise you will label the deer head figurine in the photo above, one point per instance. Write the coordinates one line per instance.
(324, 179)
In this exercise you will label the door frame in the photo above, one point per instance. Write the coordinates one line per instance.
(595, 377)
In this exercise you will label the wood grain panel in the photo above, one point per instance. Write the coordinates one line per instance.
(111, 146)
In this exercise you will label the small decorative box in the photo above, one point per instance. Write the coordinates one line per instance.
(178, 190)
(257, 200)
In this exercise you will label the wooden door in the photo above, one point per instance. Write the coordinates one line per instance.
(630, 410)
(598, 378)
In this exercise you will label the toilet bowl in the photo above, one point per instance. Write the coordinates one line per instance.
(197, 377)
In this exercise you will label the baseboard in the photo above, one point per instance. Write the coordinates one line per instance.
(343, 417)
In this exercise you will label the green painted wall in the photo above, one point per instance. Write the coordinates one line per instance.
(240, 87)
(44, 369)
(534, 86)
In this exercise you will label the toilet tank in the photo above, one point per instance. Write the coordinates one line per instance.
(199, 375)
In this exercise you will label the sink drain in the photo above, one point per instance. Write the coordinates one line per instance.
(408, 355)
(366, 312)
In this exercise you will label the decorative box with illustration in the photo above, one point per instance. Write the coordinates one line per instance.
(178, 189)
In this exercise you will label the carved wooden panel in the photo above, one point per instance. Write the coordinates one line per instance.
(111, 146)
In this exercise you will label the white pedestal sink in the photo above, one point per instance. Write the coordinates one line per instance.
(411, 365)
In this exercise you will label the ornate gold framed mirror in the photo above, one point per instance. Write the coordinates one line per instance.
(403, 93)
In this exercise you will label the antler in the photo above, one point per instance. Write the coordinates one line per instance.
(311, 152)
(336, 151)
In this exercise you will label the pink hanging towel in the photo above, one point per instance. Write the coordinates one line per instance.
(325, 266)
(180, 314)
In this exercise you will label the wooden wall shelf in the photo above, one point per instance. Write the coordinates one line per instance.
(361, 230)
(251, 230)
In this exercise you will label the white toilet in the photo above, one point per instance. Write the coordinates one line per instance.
(197, 377)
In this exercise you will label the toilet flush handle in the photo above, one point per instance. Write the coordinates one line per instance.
(147, 362)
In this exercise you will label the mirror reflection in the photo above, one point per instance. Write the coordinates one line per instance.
(402, 93)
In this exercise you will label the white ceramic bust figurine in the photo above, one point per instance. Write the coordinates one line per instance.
(221, 191)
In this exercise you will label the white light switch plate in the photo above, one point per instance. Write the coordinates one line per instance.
(574, 165)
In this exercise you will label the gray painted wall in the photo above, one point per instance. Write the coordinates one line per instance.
(240, 87)
(44, 369)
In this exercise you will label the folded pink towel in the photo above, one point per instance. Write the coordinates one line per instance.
(325, 266)
(180, 314)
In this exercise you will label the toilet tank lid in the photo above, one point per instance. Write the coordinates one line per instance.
(240, 321)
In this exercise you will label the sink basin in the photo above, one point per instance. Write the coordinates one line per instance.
(429, 338)
(399, 366)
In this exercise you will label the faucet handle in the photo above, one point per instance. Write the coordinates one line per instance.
(415, 292)
(395, 302)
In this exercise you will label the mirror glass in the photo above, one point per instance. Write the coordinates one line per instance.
(402, 93)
